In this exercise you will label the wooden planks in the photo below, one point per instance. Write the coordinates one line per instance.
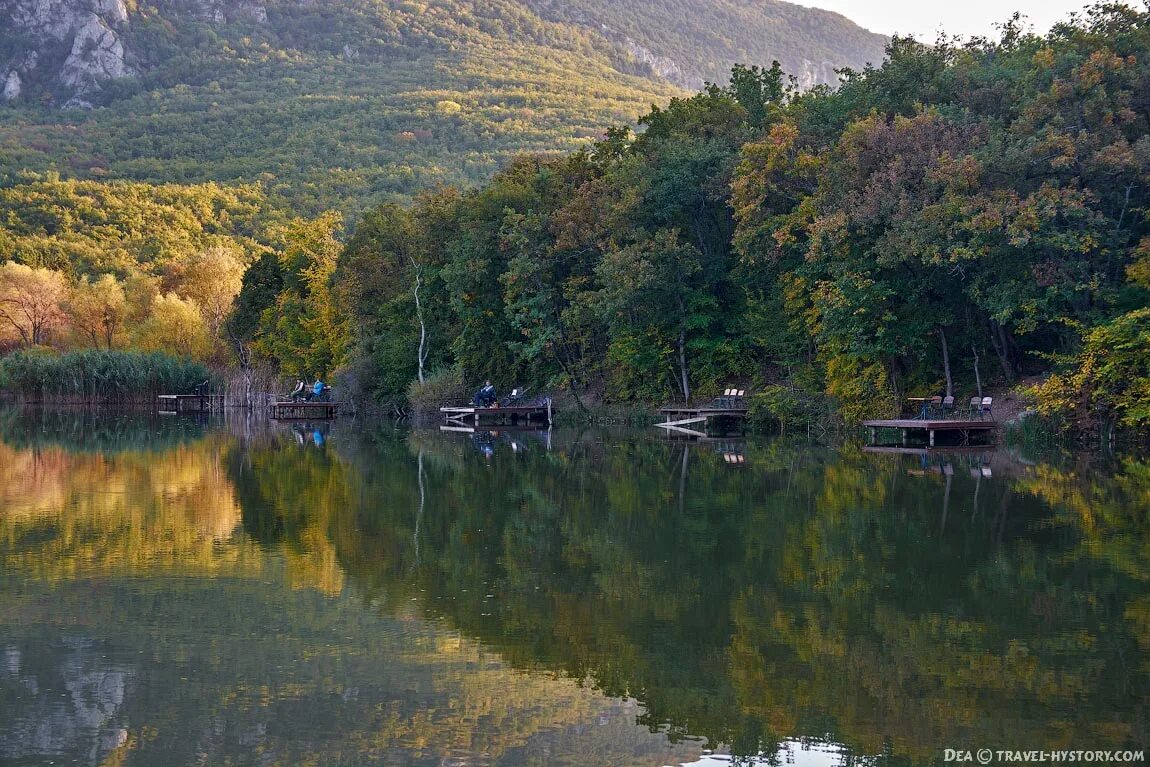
(513, 414)
(303, 411)
(184, 403)
(931, 429)
(937, 425)
(678, 418)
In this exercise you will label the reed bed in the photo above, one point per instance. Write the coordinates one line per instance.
(94, 376)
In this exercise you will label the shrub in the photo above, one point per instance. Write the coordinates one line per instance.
(1109, 380)
(861, 389)
(788, 408)
(442, 387)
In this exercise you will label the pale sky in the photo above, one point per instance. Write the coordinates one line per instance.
(924, 18)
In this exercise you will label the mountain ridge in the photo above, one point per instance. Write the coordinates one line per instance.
(367, 99)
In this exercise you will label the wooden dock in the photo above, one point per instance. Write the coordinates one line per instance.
(942, 451)
(515, 414)
(930, 430)
(679, 418)
(303, 411)
(186, 403)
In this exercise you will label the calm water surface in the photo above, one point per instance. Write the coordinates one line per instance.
(175, 593)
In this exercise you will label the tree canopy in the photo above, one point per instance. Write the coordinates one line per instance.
(966, 212)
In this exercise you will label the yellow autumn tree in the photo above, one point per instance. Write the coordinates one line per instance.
(212, 278)
(176, 326)
(31, 302)
(97, 309)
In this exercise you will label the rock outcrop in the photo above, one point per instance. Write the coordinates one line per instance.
(12, 87)
(72, 48)
(85, 34)
(97, 55)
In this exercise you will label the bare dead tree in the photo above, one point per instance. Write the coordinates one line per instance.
(421, 357)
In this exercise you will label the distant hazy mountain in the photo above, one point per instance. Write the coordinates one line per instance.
(336, 100)
(689, 42)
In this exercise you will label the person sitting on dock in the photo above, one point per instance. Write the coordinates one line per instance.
(486, 396)
(317, 389)
(297, 393)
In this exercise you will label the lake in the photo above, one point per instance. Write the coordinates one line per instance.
(175, 592)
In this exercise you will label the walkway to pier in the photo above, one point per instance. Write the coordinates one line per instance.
(679, 418)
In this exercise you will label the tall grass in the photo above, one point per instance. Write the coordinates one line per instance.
(96, 376)
(250, 388)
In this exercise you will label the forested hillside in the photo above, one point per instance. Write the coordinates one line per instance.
(692, 43)
(962, 216)
(337, 104)
(111, 265)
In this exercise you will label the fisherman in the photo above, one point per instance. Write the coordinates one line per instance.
(486, 396)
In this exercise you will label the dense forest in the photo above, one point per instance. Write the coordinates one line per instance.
(345, 104)
(965, 216)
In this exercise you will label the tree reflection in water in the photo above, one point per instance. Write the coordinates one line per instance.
(895, 605)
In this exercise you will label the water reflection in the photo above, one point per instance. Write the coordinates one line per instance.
(581, 598)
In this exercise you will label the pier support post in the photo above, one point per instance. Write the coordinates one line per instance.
(932, 437)
(904, 436)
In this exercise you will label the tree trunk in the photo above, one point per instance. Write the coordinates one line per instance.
(977, 373)
(683, 366)
(1001, 347)
(421, 357)
(572, 383)
(946, 362)
(244, 354)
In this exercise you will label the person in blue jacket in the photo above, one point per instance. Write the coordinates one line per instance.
(317, 389)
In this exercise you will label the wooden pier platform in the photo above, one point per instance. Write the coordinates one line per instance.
(513, 414)
(679, 418)
(185, 403)
(940, 451)
(931, 429)
(303, 411)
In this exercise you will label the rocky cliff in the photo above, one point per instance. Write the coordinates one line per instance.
(73, 48)
(74, 43)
